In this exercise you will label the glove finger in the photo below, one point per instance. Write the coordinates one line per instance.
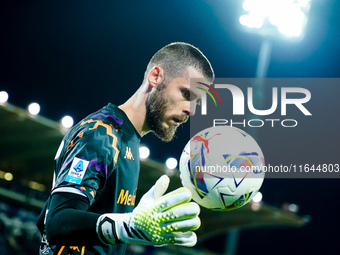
(174, 198)
(188, 239)
(189, 224)
(182, 226)
(158, 189)
(161, 186)
(182, 212)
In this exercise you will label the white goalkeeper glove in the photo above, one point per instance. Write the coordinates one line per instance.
(157, 220)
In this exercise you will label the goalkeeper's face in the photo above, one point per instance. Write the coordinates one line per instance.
(170, 104)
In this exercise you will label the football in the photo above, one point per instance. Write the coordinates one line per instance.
(223, 167)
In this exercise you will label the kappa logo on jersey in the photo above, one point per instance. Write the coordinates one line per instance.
(125, 198)
(77, 170)
(128, 153)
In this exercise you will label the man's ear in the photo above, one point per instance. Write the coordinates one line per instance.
(156, 76)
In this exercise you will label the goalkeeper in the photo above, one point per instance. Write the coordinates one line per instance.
(91, 209)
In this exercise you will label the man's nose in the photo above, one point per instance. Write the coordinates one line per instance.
(190, 109)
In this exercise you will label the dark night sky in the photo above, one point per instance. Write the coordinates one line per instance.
(73, 57)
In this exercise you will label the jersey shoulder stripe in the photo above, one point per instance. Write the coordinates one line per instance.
(109, 132)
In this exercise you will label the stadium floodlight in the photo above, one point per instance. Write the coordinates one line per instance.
(171, 163)
(272, 17)
(293, 208)
(258, 197)
(8, 176)
(67, 121)
(34, 108)
(144, 152)
(3, 97)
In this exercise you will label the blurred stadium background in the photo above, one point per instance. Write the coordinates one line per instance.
(73, 57)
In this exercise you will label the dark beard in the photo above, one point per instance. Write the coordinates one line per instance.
(156, 107)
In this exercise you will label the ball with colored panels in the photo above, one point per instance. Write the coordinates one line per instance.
(223, 167)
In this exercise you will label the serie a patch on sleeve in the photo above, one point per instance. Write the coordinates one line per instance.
(77, 170)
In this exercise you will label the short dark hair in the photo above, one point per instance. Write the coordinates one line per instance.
(176, 57)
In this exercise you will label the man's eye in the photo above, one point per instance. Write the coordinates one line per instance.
(186, 94)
